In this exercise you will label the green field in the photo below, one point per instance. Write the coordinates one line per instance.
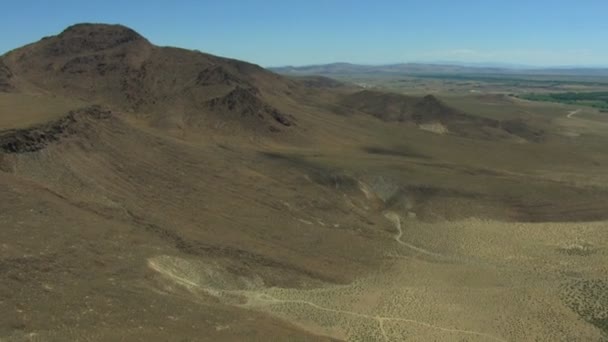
(597, 100)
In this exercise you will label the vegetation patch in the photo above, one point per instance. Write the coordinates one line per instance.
(589, 298)
(597, 100)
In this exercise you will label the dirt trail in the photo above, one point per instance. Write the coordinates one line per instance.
(396, 219)
(269, 300)
(382, 330)
(573, 113)
(257, 298)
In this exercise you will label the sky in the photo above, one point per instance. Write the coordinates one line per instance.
(303, 32)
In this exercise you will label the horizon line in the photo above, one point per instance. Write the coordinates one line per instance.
(480, 65)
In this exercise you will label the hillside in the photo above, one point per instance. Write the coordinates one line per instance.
(429, 113)
(156, 194)
(115, 65)
(186, 91)
(401, 108)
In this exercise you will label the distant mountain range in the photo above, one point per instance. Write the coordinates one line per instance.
(437, 69)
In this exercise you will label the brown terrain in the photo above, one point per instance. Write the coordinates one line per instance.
(158, 194)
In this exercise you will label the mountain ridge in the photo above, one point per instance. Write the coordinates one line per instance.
(113, 64)
(181, 90)
(419, 68)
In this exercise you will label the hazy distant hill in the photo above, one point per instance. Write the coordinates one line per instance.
(434, 69)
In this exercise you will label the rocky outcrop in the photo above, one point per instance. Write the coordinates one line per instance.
(83, 38)
(5, 78)
(244, 102)
(38, 137)
(219, 75)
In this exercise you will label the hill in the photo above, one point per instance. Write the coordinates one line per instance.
(186, 91)
(115, 65)
(153, 193)
(429, 113)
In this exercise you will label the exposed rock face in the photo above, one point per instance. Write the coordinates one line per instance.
(82, 38)
(218, 74)
(38, 137)
(98, 64)
(244, 102)
(5, 78)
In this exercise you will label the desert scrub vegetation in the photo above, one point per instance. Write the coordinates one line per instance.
(589, 298)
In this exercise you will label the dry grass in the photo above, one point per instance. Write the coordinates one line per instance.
(490, 285)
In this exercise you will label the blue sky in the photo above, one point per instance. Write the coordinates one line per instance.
(299, 32)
